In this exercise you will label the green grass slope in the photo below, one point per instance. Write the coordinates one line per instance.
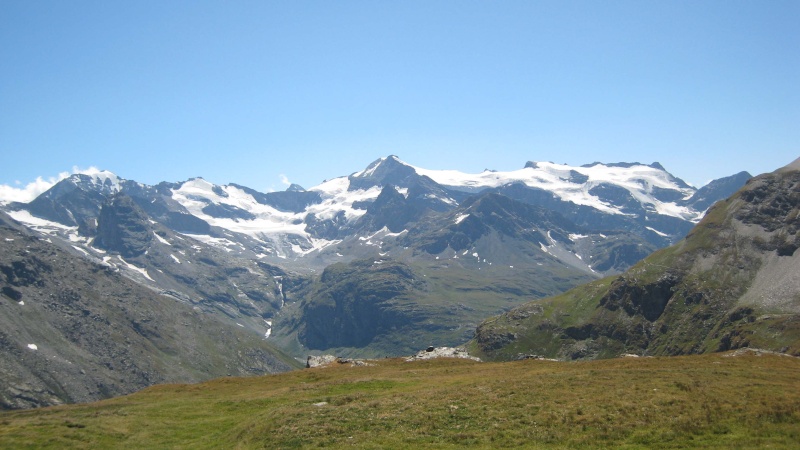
(735, 400)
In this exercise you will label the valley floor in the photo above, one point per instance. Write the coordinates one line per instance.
(742, 399)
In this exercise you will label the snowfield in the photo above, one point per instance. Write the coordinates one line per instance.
(639, 180)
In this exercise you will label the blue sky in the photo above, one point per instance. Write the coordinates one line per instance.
(264, 92)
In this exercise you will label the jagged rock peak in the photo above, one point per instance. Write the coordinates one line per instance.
(381, 165)
(384, 171)
(295, 188)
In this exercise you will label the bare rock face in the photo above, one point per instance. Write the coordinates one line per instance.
(122, 227)
(320, 361)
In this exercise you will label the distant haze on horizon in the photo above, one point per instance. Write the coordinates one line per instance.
(265, 94)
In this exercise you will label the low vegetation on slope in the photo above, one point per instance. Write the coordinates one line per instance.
(741, 399)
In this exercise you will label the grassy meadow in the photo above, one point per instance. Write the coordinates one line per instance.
(707, 401)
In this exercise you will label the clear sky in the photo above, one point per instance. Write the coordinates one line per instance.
(262, 93)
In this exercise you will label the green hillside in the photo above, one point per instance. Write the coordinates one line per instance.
(741, 399)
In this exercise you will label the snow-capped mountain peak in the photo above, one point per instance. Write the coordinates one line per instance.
(96, 179)
(386, 164)
(100, 175)
(388, 171)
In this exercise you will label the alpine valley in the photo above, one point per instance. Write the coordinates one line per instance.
(137, 284)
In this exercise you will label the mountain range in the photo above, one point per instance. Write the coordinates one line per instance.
(384, 261)
(732, 282)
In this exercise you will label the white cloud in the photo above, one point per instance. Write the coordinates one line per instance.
(30, 191)
(92, 170)
(35, 188)
(285, 180)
